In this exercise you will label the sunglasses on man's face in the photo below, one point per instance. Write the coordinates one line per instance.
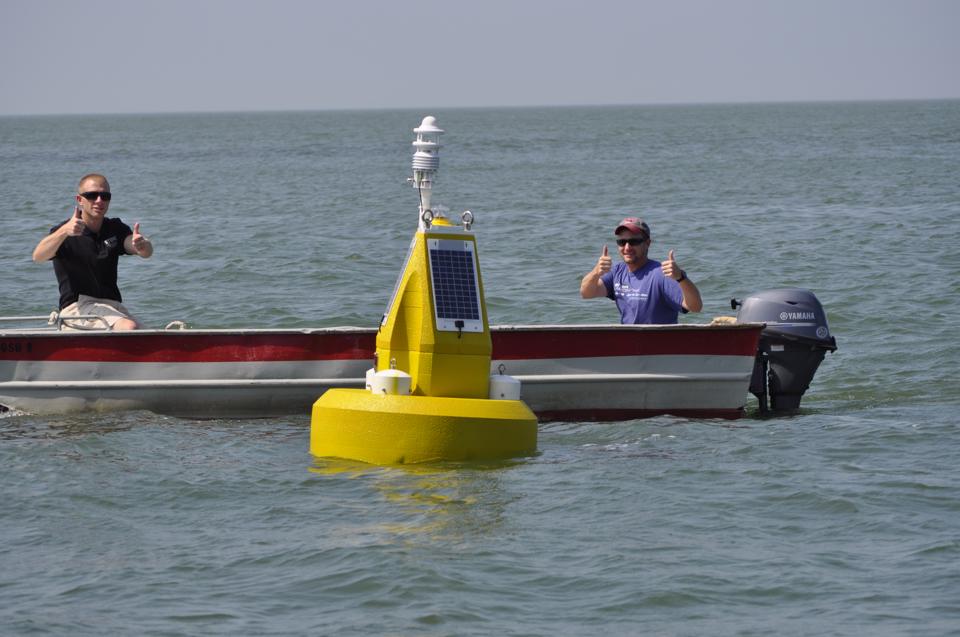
(634, 241)
(93, 194)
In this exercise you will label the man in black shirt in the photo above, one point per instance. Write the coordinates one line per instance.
(85, 250)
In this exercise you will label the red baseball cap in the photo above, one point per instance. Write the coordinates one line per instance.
(634, 225)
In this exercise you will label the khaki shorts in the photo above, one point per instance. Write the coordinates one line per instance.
(109, 312)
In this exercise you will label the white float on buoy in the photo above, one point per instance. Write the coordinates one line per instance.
(390, 382)
(503, 387)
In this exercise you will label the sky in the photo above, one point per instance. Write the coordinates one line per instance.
(146, 56)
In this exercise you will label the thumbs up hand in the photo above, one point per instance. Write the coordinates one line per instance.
(139, 241)
(592, 285)
(74, 225)
(604, 262)
(671, 269)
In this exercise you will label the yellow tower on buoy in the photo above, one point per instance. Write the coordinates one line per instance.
(430, 395)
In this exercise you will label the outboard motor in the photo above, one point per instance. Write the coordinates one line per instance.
(792, 345)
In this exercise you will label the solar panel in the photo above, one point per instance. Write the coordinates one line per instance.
(456, 288)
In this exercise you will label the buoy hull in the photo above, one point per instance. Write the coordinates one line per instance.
(396, 429)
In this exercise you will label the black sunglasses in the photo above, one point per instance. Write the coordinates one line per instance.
(93, 194)
(635, 241)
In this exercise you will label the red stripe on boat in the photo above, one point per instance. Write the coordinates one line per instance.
(514, 345)
(195, 348)
(251, 347)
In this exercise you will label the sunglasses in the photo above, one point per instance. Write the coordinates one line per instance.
(635, 241)
(93, 194)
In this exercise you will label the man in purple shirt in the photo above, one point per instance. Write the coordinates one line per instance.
(646, 291)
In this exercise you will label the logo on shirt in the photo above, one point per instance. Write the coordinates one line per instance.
(627, 292)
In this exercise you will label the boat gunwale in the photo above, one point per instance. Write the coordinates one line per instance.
(341, 330)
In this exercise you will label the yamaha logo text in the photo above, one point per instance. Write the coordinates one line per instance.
(797, 316)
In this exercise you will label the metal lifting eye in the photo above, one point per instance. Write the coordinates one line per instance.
(427, 218)
(467, 218)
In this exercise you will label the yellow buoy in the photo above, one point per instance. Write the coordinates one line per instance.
(429, 396)
(355, 424)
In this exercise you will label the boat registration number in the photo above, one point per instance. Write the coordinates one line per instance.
(15, 347)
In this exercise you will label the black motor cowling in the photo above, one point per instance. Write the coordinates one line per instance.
(792, 345)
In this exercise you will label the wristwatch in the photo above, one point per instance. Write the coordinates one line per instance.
(683, 277)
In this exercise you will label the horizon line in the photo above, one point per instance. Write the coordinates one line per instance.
(488, 107)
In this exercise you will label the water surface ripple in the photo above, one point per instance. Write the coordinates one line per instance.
(841, 520)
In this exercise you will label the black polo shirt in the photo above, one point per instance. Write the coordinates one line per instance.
(87, 264)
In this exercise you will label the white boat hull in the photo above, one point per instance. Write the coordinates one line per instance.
(701, 371)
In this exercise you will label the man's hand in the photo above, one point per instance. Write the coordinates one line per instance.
(604, 263)
(74, 226)
(138, 244)
(670, 268)
(48, 246)
(691, 295)
(591, 286)
(139, 241)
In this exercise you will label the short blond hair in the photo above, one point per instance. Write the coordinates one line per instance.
(96, 176)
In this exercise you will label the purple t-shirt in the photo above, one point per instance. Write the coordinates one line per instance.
(643, 296)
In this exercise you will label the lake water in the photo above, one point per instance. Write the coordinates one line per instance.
(841, 520)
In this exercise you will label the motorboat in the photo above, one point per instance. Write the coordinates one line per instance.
(568, 372)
